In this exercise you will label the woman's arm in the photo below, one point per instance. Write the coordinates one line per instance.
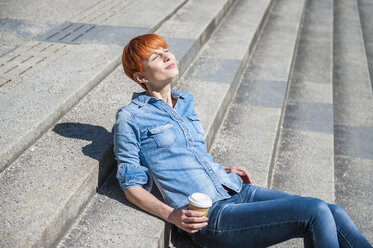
(188, 220)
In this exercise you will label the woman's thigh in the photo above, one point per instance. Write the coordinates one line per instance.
(262, 223)
(251, 193)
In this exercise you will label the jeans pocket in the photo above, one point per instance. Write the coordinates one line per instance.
(164, 135)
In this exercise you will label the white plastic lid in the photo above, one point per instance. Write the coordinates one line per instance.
(200, 200)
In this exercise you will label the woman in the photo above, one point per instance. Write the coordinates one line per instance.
(158, 137)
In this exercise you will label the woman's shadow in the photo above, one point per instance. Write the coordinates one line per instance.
(100, 149)
(101, 138)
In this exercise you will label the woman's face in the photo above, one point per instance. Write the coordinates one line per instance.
(160, 67)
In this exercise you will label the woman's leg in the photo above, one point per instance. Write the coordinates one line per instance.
(264, 223)
(348, 234)
(252, 193)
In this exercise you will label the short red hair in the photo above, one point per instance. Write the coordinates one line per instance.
(138, 49)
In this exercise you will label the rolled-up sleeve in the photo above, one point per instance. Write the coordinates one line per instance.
(127, 147)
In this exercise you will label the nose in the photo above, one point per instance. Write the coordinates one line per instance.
(166, 57)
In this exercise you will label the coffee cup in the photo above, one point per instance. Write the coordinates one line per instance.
(200, 202)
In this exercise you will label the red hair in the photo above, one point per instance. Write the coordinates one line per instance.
(138, 49)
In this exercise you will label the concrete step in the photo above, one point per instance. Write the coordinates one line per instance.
(215, 73)
(39, 86)
(353, 117)
(21, 24)
(74, 166)
(248, 134)
(365, 10)
(236, 37)
(304, 161)
(109, 220)
(260, 95)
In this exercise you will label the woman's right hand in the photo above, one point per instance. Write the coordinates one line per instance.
(188, 220)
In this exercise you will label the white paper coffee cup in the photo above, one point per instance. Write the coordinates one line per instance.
(200, 202)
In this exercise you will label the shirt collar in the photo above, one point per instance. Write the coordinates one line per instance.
(140, 98)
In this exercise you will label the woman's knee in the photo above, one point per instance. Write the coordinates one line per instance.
(317, 207)
(337, 210)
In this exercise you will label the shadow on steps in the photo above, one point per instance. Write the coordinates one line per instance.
(97, 134)
(100, 148)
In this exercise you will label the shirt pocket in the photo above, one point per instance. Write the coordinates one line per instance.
(164, 135)
(194, 119)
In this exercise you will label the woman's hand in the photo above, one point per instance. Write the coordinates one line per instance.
(188, 220)
(241, 172)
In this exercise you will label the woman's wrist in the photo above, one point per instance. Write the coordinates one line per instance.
(168, 214)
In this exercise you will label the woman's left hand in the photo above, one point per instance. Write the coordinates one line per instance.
(241, 172)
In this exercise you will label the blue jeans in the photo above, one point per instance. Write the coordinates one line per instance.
(258, 217)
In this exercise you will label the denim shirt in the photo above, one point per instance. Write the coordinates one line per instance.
(155, 142)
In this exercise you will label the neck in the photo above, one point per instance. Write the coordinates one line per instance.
(164, 94)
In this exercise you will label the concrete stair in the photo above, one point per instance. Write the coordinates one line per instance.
(353, 114)
(307, 125)
(303, 157)
(283, 87)
(365, 8)
(249, 133)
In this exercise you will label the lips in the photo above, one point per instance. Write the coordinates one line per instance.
(170, 66)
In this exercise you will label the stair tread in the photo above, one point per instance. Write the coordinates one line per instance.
(249, 130)
(365, 8)
(258, 100)
(353, 100)
(353, 116)
(220, 75)
(304, 161)
(122, 222)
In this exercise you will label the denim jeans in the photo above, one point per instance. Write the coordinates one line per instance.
(258, 217)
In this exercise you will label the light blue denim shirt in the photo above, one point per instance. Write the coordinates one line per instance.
(155, 142)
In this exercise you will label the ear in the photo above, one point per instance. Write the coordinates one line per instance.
(140, 77)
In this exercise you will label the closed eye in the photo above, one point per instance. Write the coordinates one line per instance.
(156, 55)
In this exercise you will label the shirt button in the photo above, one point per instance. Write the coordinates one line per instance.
(185, 130)
(210, 172)
(190, 142)
(194, 151)
(162, 103)
(172, 112)
(180, 121)
(202, 160)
